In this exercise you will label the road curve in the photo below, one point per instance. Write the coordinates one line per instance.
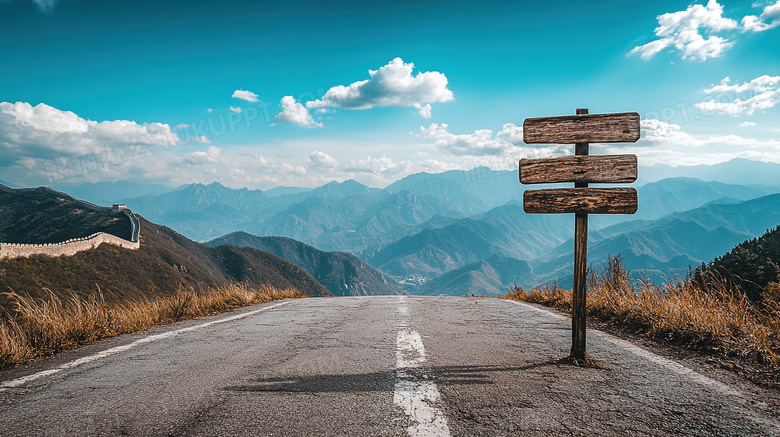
(371, 366)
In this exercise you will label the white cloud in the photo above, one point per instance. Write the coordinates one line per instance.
(665, 143)
(208, 156)
(735, 99)
(390, 85)
(769, 19)
(181, 126)
(424, 110)
(383, 165)
(319, 159)
(683, 30)
(480, 142)
(44, 145)
(747, 124)
(44, 131)
(249, 96)
(511, 133)
(236, 109)
(650, 49)
(370, 170)
(657, 131)
(45, 5)
(294, 112)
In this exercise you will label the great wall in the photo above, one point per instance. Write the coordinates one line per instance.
(75, 245)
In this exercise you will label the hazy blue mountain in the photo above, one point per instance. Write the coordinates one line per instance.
(492, 276)
(204, 212)
(108, 193)
(357, 223)
(467, 192)
(345, 216)
(426, 225)
(658, 199)
(200, 211)
(668, 246)
(285, 191)
(341, 273)
(316, 216)
(340, 190)
(503, 230)
(195, 198)
(457, 242)
(736, 171)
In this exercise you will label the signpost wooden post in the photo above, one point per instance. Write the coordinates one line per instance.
(582, 169)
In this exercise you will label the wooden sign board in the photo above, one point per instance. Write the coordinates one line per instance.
(579, 168)
(580, 201)
(590, 128)
(582, 169)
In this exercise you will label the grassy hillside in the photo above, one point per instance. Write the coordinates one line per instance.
(40, 215)
(55, 303)
(165, 262)
(341, 273)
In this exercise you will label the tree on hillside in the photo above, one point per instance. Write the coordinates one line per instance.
(752, 265)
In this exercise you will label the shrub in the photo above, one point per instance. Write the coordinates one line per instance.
(712, 315)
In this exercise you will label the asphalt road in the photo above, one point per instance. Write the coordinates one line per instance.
(373, 366)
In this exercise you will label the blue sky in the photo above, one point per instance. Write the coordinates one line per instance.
(151, 90)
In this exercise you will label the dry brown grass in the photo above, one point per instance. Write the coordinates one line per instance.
(41, 327)
(714, 318)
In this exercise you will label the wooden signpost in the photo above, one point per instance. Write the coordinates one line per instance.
(582, 169)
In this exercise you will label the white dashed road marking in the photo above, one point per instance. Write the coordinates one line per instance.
(415, 393)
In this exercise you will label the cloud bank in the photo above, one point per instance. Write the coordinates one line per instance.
(482, 142)
(737, 99)
(666, 143)
(43, 131)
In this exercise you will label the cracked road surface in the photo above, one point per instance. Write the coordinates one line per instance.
(418, 366)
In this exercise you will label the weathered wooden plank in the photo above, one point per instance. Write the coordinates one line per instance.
(590, 128)
(580, 201)
(593, 169)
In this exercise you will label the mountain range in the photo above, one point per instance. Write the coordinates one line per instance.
(663, 248)
(425, 225)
